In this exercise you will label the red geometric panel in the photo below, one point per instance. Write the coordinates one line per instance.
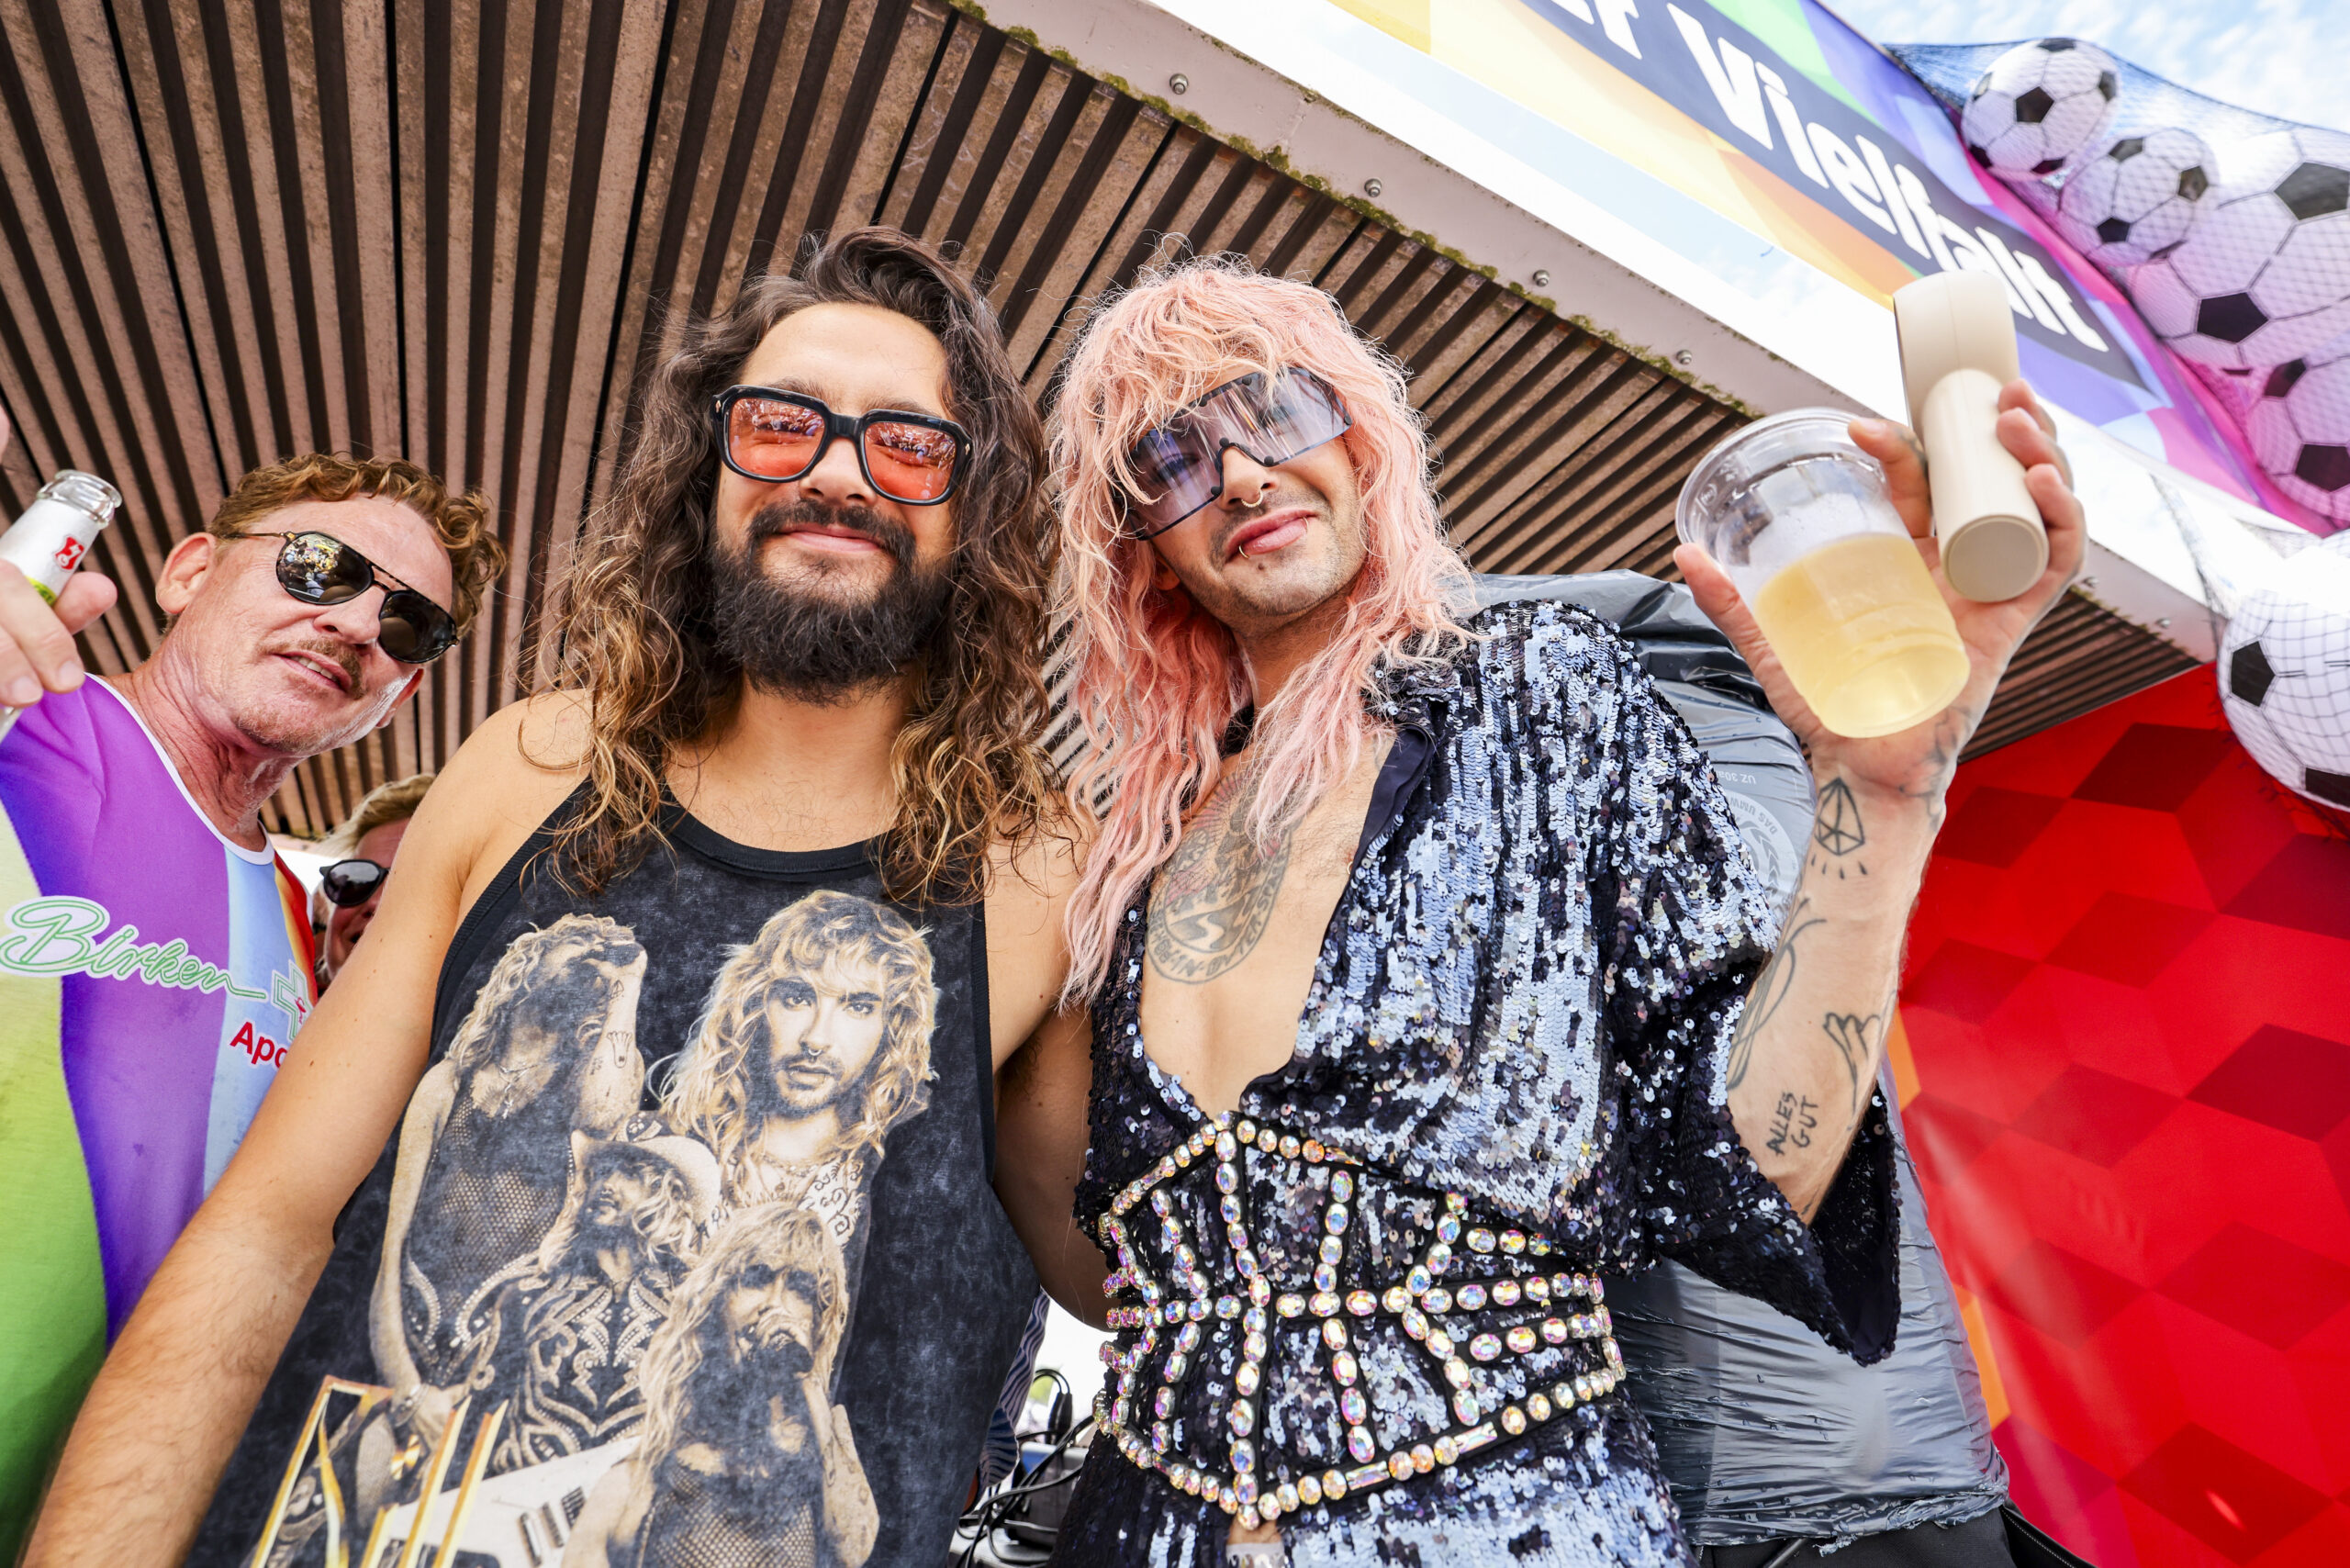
(2049, 1482)
(1965, 981)
(1993, 826)
(2094, 1115)
(2155, 766)
(2272, 1290)
(2307, 887)
(1946, 1136)
(2240, 1505)
(2152, 976)
(2295, 1082)
(2064, 1296)
(2127, 939)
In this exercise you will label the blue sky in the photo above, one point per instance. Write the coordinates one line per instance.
(2282, 57)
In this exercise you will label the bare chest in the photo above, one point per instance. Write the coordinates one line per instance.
(1237, 926)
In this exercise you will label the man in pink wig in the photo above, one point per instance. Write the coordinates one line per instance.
(1427, 980)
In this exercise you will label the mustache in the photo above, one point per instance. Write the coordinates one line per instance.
(779, 516)
(816, 638)
(1283, 498)
(342, 656)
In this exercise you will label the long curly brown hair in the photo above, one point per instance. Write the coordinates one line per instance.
(637, 631)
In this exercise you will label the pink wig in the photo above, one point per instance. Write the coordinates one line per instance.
(1158, 680)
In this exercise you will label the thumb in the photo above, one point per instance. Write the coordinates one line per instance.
(87, 596)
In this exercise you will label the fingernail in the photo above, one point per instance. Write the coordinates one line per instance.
(72, 673)
(21, 692)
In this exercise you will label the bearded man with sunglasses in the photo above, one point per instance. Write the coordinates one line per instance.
(1428, 983)
(154, 960)
(802, 672)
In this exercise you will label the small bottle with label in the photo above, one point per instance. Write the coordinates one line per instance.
(54, 537)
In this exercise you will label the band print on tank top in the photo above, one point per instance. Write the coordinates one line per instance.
(609, 1308)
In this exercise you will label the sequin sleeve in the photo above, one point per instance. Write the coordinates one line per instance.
(1683, 928)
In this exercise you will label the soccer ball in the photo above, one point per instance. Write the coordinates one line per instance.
(2039, 107)
(2300, 429)
(2285, 672)
(2263, 276)
(2137, 198)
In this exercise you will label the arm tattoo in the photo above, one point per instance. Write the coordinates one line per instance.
(1837, 833)
(1216, 896)
(1792, 1121)
(1771, 987)
(1855, 1038)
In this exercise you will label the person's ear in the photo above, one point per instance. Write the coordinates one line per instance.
(185, 569)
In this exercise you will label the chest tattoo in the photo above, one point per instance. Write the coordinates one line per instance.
(1216, 895)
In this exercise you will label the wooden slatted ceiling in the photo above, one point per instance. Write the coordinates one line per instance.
(240, 229)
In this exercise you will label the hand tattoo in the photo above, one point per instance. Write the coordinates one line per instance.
(1771, 987)
(1216, 895)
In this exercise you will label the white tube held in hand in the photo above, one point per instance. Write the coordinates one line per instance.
(1958, 347)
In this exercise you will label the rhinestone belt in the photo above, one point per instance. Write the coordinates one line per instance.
(1175, 1313)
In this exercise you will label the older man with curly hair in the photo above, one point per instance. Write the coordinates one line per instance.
(154, 952)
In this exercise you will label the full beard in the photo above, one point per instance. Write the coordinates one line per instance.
(734, 1413)
(793, 640)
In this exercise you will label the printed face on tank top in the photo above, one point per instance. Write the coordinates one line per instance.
(612, 1298)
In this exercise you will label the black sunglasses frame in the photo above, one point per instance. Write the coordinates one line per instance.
(331, 882)
(1347, 422)
(400, 601)
(850, 428)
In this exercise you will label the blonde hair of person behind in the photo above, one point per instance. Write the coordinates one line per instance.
(1157, 681)
(393, 802)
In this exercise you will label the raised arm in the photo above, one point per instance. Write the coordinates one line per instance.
(1806, 1054)
(174, 1394)
(35, 636)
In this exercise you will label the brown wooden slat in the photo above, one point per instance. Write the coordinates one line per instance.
(465, 230)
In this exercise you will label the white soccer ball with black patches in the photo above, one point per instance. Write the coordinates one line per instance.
(2263, 275)
(2285, 672)
(2136, 198)
(2041, 105)
(2300, 429)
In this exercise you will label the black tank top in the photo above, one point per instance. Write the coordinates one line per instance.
(746, 1091)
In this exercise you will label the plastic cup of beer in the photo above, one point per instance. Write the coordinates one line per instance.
(1798, 516)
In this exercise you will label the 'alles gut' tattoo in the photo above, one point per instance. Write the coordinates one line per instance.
(1792, 1123)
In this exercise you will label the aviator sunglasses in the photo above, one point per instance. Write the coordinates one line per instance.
(318, 568)
(350, 883)
(774, 437)
(1180, 466)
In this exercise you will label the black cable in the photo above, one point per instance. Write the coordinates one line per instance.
(994, 1510)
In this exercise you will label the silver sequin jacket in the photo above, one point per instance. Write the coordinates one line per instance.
(1518, 1019)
